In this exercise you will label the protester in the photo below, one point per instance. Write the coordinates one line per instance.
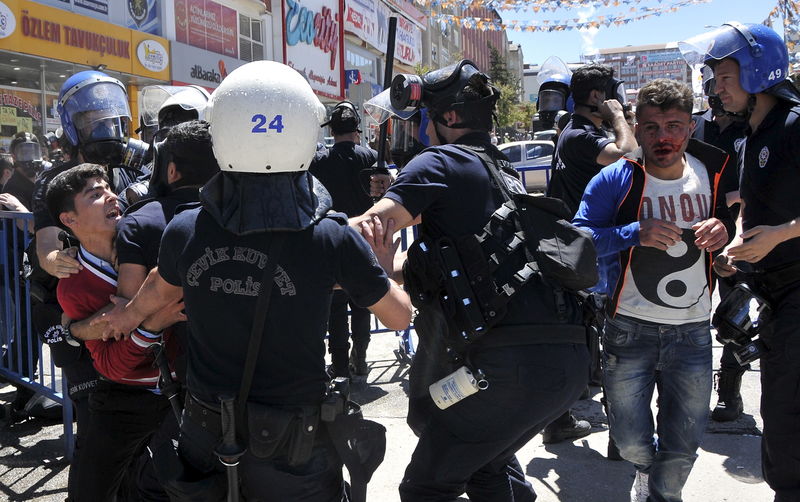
(655, 222)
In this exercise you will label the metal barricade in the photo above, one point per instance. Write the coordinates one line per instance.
(23, 361)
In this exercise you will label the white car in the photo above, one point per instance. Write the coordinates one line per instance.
(531, 159)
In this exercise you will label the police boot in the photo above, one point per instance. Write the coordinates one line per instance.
(729, 405)
(358, 361)
(565, 427)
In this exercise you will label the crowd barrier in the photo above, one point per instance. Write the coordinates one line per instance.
(23, 361)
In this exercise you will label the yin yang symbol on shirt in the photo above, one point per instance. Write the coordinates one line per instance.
(665, 277)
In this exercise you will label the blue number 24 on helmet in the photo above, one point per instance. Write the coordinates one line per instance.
(761, 54)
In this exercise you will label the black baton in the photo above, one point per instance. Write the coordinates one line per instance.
(229, 452)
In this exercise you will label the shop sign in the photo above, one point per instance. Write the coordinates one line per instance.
(313, 43)
(207, 25)
(58, 34)
(410, 11)
(152, 55)
(408, 45)
(361, 19)
(99, 6)
(191, 65)
(143, 15)
(11, 100)
(8, 22)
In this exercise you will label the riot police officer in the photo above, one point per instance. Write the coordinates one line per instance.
(342, 169)
(263, 221)
(533, 371)
(750, 64)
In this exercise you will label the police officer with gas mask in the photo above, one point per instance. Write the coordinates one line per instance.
(750, 64)
(529, 373)
(29, 164)
(263, 220)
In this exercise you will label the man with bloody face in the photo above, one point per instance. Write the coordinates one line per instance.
(654, 216)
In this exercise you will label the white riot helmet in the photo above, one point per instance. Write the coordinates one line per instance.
(189, 103)
(264, 119)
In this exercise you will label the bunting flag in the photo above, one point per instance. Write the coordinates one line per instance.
(546, 25)
(789, 10)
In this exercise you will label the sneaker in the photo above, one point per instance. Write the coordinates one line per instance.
(556, 432)
(640, 490)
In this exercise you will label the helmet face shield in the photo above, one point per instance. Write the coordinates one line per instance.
(380, 108)
(554, 69)
(99, 125)
(552, 100)
(27, 152)
(716, 45)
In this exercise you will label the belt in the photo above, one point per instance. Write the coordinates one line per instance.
(203, 414)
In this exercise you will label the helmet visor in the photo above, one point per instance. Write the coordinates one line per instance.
(554, 69)
(552, 100)
(107, 98)
(27, 152)
(380, 108)
(99, 125)
(151, 100)
(717, 44)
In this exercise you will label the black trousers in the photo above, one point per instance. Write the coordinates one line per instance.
(780, 398)
(470, 446)
(339, 332)
(274, 480)
(122, 419)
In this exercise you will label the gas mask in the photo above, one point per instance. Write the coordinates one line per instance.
(734, 323)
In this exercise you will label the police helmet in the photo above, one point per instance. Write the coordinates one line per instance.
(761, 54)
(344, 118)
(264, 119)
(189, 103)
(25, 147)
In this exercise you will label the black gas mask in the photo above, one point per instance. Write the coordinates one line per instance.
(614, 89)
(734, 323)
(130, 153)
(27, 154)
(552, 99)
(444, 89)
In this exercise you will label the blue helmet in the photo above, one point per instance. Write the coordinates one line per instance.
(93, 107)
(761, 54)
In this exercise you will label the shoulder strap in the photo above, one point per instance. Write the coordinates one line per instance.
(257, 331)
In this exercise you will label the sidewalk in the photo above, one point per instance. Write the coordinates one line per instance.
(728, 467)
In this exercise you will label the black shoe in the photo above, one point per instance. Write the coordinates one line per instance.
(729, 405)
(358, 364)
(574, 429)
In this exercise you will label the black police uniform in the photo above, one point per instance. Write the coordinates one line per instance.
(575, 160)
(533, 371)
(769, 187)
(728, 139)
(341, 169)
(220, 273)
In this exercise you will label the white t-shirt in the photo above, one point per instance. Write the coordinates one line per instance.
(671, 287)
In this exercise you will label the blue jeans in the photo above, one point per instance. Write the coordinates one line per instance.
(638, 357)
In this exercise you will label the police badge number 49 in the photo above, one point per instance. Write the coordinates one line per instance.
(763, 157)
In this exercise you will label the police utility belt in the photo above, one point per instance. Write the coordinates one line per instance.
(775, 279)
(472, 278)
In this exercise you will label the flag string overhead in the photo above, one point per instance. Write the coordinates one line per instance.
(633, 13)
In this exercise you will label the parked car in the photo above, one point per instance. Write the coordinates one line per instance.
(532, 159)
(546, 135)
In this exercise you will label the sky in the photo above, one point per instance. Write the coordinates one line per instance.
(669, 27)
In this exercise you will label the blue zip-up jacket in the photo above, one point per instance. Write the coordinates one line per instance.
(610, 210)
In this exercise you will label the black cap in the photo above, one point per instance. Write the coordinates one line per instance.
(344, 118)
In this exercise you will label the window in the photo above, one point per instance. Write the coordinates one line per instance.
(514, 153)
(251, 46)
(535, 151)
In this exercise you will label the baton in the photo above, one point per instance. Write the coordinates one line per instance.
(229, 450)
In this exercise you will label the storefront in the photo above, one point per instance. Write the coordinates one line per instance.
(41, 46)
(191, 65)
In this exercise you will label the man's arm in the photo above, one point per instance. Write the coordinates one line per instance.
(55, 261)
(154, 294)
(759, 241)
(131, 277)
(611, 111)
(386, 209)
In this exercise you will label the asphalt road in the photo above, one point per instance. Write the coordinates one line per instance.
(728, 468)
